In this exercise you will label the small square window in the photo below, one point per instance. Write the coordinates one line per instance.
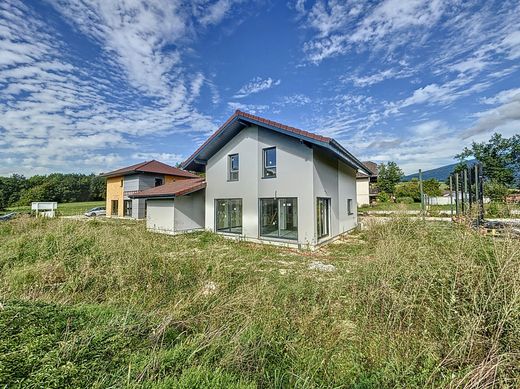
(158, 181)
(233, 167)
(269, 157)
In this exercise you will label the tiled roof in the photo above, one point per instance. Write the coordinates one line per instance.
(150, 167)
(174, 189)
(315, 138)
(372, 166)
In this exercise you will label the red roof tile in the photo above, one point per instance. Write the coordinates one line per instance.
(177, 188)
(151, 167)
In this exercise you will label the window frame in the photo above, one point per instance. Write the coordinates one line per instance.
(126, 208)
(230, 167)
(112, 208)
(326, 201)
(349, 207)
(158, 179)
(215, 210)
(264, 162)
(278, 201)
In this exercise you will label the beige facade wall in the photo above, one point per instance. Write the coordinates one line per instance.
(363, 190)
(114, 192)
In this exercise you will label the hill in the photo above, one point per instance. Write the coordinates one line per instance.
(440, 174)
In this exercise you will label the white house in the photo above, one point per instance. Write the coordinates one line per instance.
(264, 182)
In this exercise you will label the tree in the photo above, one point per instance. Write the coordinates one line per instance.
(389, 175)
(500, 158)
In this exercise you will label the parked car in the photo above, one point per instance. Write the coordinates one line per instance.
(7, 217)
(98, 211)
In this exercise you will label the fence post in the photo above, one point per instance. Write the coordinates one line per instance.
(451, 196)
(422, 193)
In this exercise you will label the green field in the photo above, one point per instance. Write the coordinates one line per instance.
(64, 209)
(108, 304)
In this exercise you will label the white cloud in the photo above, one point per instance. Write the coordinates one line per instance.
(339, 26)
(57, 116)
(169, 158)
(256, 85)
(214, 13)
(504, 118)
(249, 108)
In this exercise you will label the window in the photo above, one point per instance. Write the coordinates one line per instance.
(228, 216)
(115, 206)
(322, 214)
(158, 182)
(269, 162)
(233, 167)
(127, 208)
(121, 182)
(279, 218)
(349, 207)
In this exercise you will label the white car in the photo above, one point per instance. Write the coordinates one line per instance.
(98, 211)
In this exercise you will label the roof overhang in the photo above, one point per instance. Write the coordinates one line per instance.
(237, 122)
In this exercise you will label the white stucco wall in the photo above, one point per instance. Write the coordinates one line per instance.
(325, 179)
(293, 179)
(160, 215)
(363, 188)
(189, 211)
(346, 190)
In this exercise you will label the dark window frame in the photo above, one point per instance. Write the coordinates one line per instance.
(349, 207)
(116, 203)
(278, 200)
(230, 167)
(158, 179)
(327, 202)
(126, 208)
(241, 216)
(264, 162)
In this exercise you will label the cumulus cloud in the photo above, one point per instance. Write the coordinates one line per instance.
(257, 84)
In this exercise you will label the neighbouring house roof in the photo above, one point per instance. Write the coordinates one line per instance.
(152, 166)
(174, 189)
(372, 166)
(240, 120)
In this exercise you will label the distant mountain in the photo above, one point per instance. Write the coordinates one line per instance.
(440, 174)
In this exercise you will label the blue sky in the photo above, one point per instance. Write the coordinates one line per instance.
(92, 85)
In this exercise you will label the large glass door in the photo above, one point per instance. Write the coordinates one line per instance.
(279, 218)
(228, 215)
(322, 214)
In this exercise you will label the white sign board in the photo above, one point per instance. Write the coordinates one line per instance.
(44, 208)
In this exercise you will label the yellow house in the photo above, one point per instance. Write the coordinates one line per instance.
(131, 179)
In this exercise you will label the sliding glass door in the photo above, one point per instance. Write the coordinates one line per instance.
(228, 215)
(279, 218)
(322, 213)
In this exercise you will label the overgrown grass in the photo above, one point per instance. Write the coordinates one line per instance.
(64, 209)
(109, 304)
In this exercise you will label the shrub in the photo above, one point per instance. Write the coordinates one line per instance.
(405, 200)
(383, 197)
(495, 191)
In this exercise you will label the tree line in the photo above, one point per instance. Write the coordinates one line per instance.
(18, 190)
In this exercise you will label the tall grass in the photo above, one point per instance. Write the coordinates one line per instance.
(410, 305)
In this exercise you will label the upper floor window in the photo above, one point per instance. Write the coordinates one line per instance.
(269, 162)
(158, 181)
(121, 182)
(349, 207)
(233, 167)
